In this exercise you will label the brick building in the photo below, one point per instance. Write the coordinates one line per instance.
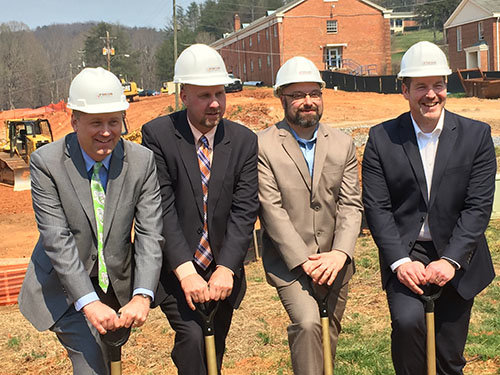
(472, 33)
(352, 35)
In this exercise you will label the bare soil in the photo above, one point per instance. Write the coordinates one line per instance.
(26, 351)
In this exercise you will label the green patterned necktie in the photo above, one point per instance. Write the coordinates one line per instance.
(98, 197)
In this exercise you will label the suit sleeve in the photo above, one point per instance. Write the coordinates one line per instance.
(243, 213)
(172, 230)
(378, 207)
(349, 207)
(477, 205)
(55, 234)
(278, 225)
(148, 241)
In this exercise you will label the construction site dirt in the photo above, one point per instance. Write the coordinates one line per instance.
(256, 108)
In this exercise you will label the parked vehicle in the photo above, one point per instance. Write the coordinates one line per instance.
(236, 85)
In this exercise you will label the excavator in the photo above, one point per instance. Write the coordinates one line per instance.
(24, 137)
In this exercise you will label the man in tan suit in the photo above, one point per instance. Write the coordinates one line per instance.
(310, 211)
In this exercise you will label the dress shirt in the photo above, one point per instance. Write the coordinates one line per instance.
(187, 268)
(307, 146)
(103, 175)
(427, 145)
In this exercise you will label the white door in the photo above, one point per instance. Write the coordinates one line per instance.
(333, 57)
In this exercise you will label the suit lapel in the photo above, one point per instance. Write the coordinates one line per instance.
(320, 152)
(409, 141)
(116, 175)
(447, 140)
(78, 177)
(291, 147)
(187, 151)
(220, 160)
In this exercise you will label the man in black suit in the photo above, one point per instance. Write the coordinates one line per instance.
(207, 168)
(428, 184)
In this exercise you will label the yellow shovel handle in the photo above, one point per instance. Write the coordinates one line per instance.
(431, 344)
(211, 357)
(327, 347)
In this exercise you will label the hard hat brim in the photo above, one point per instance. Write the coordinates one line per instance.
(100, 108)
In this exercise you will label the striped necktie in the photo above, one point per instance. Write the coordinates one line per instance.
(98, 198)
(203, 255)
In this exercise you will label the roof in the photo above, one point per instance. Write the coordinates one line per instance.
(275, 17)
(473, 10)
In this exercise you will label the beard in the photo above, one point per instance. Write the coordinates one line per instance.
(303, 120)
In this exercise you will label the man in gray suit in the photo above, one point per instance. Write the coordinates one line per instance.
(89, 190)
(310, 211)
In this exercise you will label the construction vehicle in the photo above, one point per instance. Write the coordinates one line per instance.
(129, 89)
(24, 137)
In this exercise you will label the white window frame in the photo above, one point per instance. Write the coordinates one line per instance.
(267, 34)
(260, 63)
(480, 30)
(275, 31)
(268, 60)
(249, 42)
(244, 68)
(258, 38)
(251, 65)
(459, 38)
(332, 26)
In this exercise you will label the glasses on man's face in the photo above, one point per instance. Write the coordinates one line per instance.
(299, 95)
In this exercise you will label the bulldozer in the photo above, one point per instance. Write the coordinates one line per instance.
(24, 137)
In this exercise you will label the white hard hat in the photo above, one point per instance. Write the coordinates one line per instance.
(424, 59)
(297, 69)
(201, 65)
(96, 90)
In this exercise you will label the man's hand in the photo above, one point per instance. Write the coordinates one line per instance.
(135, 312)
(195, 289)
(439, 272)
(324, 267)
(102, 317)
(412, 274)
(220, 284)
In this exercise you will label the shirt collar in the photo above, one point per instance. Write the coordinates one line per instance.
(437, 130)
(210, 135)
(89, 162)
(306, 141)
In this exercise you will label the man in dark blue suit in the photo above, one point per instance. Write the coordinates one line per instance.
(428, 185)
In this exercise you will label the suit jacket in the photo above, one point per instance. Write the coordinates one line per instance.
(461, 197)
(65, 254)
(232, 195)
(302, 216)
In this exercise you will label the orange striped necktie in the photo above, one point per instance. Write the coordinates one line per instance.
(203, 255)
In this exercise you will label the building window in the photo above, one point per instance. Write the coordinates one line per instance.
(260, 63)
(250, 42)
(459, 38)
(267, 34)
(480, 30)
(258, 38)
(268, 60)
(275, 31)
(331, 27)
(243, 42)
(244, 68)
(251, 65)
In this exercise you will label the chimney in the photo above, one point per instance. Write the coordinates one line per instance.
(237, 22)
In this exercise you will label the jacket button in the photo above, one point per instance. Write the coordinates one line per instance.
(318, 233)
(94, 257)
(199, 231)
(316, 206)
(422, 219)
(410, 244)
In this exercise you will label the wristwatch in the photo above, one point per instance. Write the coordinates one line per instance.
(144, 295)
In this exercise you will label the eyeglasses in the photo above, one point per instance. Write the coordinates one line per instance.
(299, 95)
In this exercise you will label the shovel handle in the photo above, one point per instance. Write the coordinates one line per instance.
(431, 344)
(327, 347)
(211, 356)
(116, 367)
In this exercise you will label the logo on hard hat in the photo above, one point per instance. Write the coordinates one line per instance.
(301, 72)
(429, 63)
(101, 94)
(213, 68)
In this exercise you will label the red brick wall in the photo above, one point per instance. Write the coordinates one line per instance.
(303, 32)
(457, 59)
(361, 27)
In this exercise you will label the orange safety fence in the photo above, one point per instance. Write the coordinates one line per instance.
(30, 112)
(11, 279)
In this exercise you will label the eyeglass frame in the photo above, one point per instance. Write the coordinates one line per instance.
(300, 95)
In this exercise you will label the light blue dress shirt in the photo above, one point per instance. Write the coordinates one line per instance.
(307, 146)
(103, 175)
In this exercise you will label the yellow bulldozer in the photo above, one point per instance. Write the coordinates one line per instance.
(23, 137)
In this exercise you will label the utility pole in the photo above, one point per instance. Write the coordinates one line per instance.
(175, 56)
(108, 50)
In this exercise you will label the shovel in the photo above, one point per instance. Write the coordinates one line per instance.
(431, 293)
(114, 340)
(325, 328)
(207, 312)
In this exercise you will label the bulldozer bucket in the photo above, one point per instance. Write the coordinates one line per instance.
(22, 179)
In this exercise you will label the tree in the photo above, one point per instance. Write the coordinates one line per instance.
(435, 13)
